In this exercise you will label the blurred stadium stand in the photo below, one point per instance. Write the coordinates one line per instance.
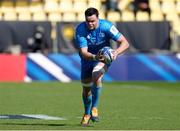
(25, 34)
(59, 11)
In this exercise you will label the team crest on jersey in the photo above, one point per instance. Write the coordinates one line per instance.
(114, 30)
(101, 35)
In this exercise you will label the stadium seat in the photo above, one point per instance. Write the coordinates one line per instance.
(24, 16)
(113, 16)
(156, 16)
(21, 6)
(123, 4)
(154, 1)
(7, 6)
(178, 7)
(167, 1)
(10, 16)
(54, 17)
(66, 5)
(168, 6)
(80, 16)
(52, 1)
(95, 3)
(79, 6)
(142, 16)
(39, 16)
(176, 26)
(172, 17)
(35, 7)
(51, 6)
(154, 5)
(69, 16)
(178, 29)
(128, 16)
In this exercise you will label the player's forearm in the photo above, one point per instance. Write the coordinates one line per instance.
(87, 55)
(122, 48)
(123, 45)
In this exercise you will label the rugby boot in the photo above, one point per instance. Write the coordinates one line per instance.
(85, 120)
(94, 114)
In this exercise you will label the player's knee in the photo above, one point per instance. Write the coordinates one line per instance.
(97, 78)
(99, 69)
(97, 75)
(87, 89)
(86, 85)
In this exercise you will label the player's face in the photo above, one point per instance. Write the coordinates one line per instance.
(92, 22)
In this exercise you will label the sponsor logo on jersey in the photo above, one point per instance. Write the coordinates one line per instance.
(114, 30)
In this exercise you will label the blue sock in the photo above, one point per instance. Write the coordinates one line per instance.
(87, 104)
(95, 95)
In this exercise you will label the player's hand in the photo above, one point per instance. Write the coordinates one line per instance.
(100, 57)
(114, 54)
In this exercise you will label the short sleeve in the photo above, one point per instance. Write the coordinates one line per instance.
(80, 38)
(112, 31)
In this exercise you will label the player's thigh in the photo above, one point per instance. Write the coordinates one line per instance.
(86, 77)
(98, 71)
(86, 71)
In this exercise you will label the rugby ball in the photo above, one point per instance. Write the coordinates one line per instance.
(107, 54)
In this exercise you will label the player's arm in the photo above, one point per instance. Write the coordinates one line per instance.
(123, 45)
(114, 34)
(81, 44)
(87, 55)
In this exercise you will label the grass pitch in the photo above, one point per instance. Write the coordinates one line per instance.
(123, 106)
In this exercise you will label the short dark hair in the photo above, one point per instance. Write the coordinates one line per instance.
(91, 11)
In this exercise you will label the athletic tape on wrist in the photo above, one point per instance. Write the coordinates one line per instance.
(94, 57)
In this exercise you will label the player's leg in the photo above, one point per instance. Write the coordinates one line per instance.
(86, 92)
(87, 101)
(86, 96)
(97, 75)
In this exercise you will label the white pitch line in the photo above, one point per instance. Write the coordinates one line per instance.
(31, 116)
(4, 117)
(44, 117)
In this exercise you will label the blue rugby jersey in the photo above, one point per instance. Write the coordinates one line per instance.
(97, 38)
